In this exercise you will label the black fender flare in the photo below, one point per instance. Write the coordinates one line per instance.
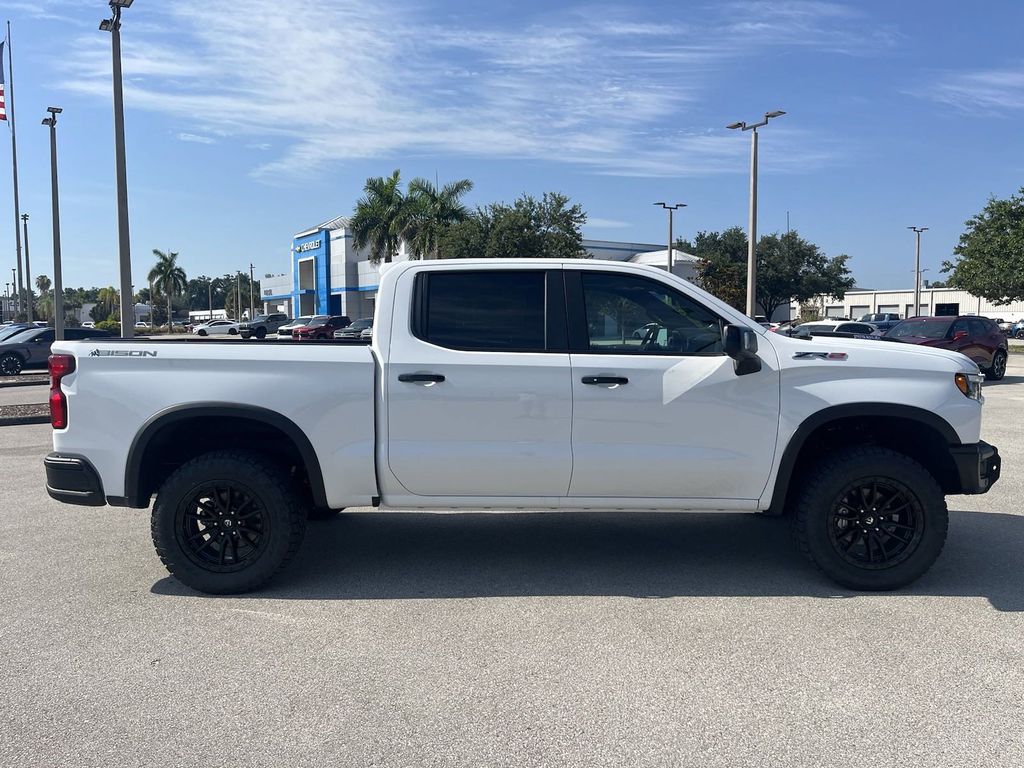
(133, 465)
(808, 426)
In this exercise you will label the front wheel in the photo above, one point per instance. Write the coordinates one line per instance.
(11, 364)
(201, 332)
(227, 521)
(871, 518)
(997, 370)
(1019, 335)
(261, 333)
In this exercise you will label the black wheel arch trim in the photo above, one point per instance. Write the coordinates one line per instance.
(133, 466)
(849, 410)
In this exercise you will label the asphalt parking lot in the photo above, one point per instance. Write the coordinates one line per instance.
(510, 640)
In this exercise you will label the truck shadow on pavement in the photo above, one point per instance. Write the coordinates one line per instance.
(374, 556)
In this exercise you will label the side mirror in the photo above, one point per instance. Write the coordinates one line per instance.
(741, 345)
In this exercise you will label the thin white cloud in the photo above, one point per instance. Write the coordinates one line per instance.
(988, 91)
(596, 222)
(358, 79)
(196, 139)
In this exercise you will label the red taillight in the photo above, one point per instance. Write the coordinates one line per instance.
(60, 366)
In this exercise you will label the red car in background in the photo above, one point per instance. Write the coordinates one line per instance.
(976, 337)
(321, 327)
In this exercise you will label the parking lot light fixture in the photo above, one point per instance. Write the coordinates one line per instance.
(58, 284)
(29, 291)
(917, 270)
(113, 26)
(752, 226)
(671, 210)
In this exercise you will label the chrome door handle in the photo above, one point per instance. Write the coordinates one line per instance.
(420, 377)
(605, 380)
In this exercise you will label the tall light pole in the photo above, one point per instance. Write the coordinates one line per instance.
(58, 285)
(209, 292)
(917, 270)
(252, 306)
(238, 297)
(14, 284)
(671, 209)
(752, 225)
(113, 26)
(7, 301)
(30, 291)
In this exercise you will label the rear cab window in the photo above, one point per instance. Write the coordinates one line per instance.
(491, 311)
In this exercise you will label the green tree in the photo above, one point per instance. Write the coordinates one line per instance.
(545, 228)
(722, 269)
(107, 305)
(788, 267)
(45, 303)
(168, 277)
(382, 217)
(432, 212)
(990, 255)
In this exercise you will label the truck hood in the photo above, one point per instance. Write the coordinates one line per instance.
(869, 352)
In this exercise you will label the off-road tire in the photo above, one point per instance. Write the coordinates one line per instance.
(11, 364)
(997, 370)
(261, 333)
(824, 487)
(282, 515)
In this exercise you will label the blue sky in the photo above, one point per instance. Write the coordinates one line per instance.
(252, 119)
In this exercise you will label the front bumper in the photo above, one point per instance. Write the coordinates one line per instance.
(978, 465)
(73, 480)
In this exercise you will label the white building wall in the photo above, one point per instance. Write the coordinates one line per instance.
(853, 303)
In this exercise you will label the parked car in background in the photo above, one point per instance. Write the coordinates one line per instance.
(883, 321)
(89, 324)
(261, 325)
(832, 326)
(216, 328)
(321, 327)
(31, 347)
(354, 330)
(976, 337)
(285, 331)
(1016, 330)
(366, 333)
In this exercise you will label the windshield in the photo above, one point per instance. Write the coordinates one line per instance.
(301, 320)
(261, 318)
(316, 322)
(24, 334)
(934, 329)
(361, 324)
(9, 333)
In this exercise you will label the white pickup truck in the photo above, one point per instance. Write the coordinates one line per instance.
(523, 385)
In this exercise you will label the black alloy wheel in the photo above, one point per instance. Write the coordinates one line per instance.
(222, 527)
(11, 364)
(998, 368)
(876, 523)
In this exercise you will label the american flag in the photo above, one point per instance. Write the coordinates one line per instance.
(3, 103)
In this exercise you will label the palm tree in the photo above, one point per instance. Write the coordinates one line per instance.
(432, 212)
(168, 277)
(381, 217)
(44, 304)
(109, 298)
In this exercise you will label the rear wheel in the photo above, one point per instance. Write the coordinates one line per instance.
(227, 521)
(201, 332)
(11, 364)
(871, 518)
(998, 368)
(232, 331)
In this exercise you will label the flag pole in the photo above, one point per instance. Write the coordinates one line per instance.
(14, 165)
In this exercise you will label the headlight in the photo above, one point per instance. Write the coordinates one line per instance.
(970, 384)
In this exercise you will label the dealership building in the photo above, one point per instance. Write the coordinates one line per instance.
(328, 275)
(934, 301)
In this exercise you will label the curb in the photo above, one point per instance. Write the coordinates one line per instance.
(6, 384)
(17, 421)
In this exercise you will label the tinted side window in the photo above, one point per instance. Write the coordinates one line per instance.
(958, 326)
(979, 328)
(634, 315)
(45, 337)
(499, 311)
